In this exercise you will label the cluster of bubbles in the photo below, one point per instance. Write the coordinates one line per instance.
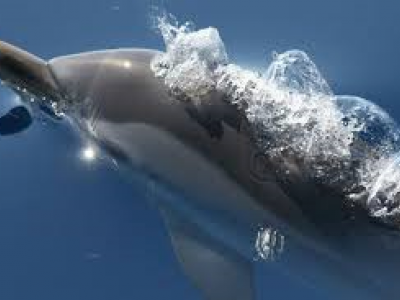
(344, 142)
(269, 244)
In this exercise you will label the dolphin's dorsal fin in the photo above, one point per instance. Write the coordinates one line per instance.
(16, 120)
(219, 272)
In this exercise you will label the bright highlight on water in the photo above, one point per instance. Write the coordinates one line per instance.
(89, 153)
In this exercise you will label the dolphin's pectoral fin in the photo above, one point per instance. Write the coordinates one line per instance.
(15, 121)
(220, 273)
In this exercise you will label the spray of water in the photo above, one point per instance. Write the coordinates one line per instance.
(344, 142)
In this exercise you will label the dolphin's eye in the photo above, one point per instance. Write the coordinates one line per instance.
(259, 167)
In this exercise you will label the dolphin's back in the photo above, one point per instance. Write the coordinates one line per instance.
(119, 87)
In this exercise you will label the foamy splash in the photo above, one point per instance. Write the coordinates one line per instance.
(344, 142)
(189, 65)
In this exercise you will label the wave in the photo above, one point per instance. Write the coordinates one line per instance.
(345, 142)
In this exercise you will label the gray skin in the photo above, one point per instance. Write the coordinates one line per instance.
(207, 153)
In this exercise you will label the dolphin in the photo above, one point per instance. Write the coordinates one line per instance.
(205, 152)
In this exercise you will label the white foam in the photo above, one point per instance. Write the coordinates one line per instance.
(343, 141)
(190, 59)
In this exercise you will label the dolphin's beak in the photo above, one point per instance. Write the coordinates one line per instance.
(23, 70)
(25, 73)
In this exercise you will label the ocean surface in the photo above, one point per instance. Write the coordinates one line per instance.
(72, 227)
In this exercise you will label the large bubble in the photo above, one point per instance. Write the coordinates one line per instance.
(375, 144)
(373, 126)
(294, 70)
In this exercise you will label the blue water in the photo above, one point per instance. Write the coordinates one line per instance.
(76, 230)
